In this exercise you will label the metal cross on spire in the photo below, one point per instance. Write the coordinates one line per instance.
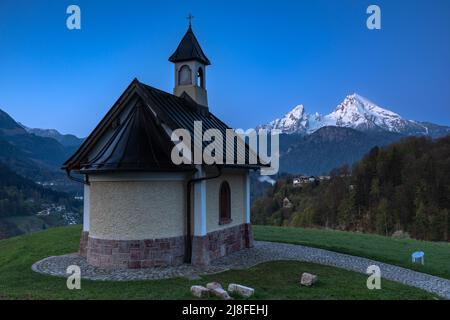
(190, 17)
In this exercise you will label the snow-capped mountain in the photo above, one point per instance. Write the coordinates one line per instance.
(354, 112)
(295, 121)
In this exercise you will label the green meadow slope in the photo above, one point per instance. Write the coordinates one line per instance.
(384, 249)
(18, 281)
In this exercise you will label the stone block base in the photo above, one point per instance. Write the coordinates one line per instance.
(150, 253)
(84, 243)
(221, 243)
(135, 254)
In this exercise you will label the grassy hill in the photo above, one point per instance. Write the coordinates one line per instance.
(384, 249)
(18, 225)
(18, 281)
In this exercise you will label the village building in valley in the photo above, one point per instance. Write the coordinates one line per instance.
(140, 209)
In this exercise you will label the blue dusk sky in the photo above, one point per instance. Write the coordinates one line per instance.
(267, 57)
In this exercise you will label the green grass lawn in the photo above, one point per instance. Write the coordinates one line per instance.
(384, 249)
(273, 280)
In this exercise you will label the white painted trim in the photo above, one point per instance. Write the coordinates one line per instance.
(247, 198)
(138, 176)
(200, 204)
(86, 207)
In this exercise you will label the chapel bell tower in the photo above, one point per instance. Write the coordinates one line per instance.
(190, 68)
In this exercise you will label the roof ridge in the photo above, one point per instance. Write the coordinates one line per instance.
(168, 93)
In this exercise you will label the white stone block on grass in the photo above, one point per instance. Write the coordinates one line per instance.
(213, 285)
(221, 293)
(216, 289)
(308, 279)
(200, 291)
(241, 290)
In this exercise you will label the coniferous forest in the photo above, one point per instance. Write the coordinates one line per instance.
(400, 190)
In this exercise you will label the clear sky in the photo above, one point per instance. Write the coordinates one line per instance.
(267, 57)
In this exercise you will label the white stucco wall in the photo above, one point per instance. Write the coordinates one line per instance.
(237, 182)
(134, 210)
(138, 206)
(86, 207)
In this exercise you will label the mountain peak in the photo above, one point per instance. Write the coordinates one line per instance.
(359, 112)
(8, 126)
(356, 112)
(291, 122)
(297, 112)
(357, 98)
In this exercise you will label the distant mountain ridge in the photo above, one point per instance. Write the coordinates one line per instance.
(354, 112)
(37, 157)
(67, 140)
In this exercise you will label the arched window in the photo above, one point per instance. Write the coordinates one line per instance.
(200, 78)
(184, 76)
(224, 203)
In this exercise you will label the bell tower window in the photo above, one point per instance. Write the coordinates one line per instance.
(184, 76)
(200, 78)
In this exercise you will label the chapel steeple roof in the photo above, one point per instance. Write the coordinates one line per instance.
(189, 49)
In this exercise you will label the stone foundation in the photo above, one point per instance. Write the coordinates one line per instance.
(84, 243)
(134, 254)
(221, 243)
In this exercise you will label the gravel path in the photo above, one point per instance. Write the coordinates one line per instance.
(262, 252)
(270, 251)
(57, 266)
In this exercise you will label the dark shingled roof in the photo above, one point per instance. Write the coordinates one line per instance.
(189, 49)
(140, 142)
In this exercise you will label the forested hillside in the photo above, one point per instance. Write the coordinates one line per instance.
(20, 196)
(34, 192)
(404, 187)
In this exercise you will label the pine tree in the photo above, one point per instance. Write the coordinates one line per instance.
(347, 211)
(421, 222)
(382, 218)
